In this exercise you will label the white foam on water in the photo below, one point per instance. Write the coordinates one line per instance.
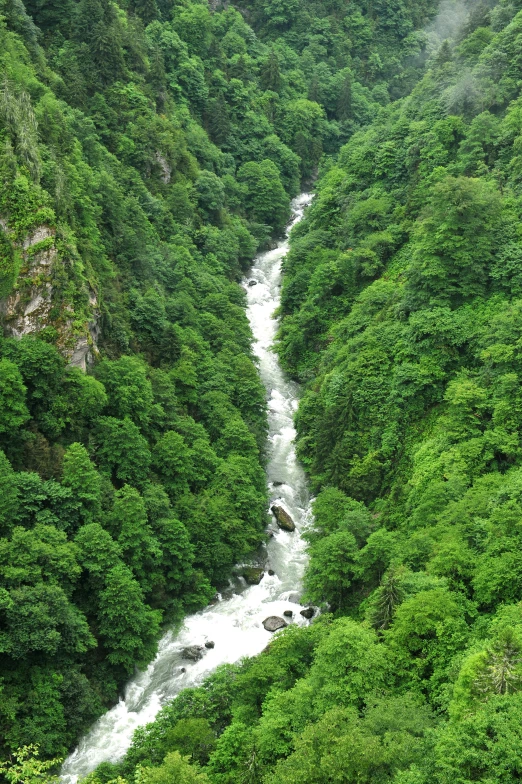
(234, 623)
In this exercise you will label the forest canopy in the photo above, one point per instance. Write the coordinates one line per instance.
(148, 149)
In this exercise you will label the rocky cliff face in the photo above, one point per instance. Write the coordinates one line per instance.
(37, 306)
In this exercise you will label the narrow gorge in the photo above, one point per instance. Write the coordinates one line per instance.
(234, 621)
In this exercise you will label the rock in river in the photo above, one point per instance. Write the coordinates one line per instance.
(253, 575)
(288, 614)
(193, 652)
(308, 613)
(273, 623)
(284, 520)
(209, 645)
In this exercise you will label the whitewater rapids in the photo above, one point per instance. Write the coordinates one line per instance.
(235, 622)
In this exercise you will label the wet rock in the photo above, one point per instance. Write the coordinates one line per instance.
(284, 520)
(278, 484)
(288, 614)
(308, 612)
(252, 283)
(193, 652)
(271, 572)
(294, 598)
(182, 669)
(253, 575)
(210, 645)
(274, 623)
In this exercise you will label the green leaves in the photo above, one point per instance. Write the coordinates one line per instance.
(266, 200)
(13, 409)
(128, 627)
(454, 242)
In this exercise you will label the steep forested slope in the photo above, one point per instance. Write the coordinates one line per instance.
(147, 149)
(402, 317)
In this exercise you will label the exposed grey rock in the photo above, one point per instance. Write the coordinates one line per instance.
(288, 614)
(166, 171)
(308, 612)
(271, 572)
(210, 644)
(274, 623)
(193, 652)
(284, 520)
(252, 283)
(294, 598)
(277, 484)
(182, 669)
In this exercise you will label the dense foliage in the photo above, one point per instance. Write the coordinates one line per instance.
(147, 149)
(401, 315)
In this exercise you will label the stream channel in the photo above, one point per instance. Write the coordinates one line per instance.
(234, 623)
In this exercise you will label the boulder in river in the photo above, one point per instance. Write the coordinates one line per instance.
(253, 574)
(274, 623)
(308, 612)
(288, 614)
(294, 598)
(252, 283)
(284, 520)
(193, 652)
(271, 572)
(210, 645)
(278, 484)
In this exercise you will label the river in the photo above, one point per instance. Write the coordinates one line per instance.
(235, 622)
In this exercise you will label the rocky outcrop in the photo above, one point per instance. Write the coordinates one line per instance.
(253, 575)
(166, 171)
(274, 623)
(34, 304)
(193, 652)
(86, 347)
(27, 309)
(284, 520)
(308, 612)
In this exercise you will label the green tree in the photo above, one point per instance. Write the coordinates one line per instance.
(128, 628)
(128, 389)
(80, 475)
(349, 664)
(266, 200)
(139, 548)
(171, 459)
(270, 73)
(26, 768)
(13, 409)
(121, 450)
(483, 746)
(454, 243)
(8, 493)
(332, 570)
(175, 768)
